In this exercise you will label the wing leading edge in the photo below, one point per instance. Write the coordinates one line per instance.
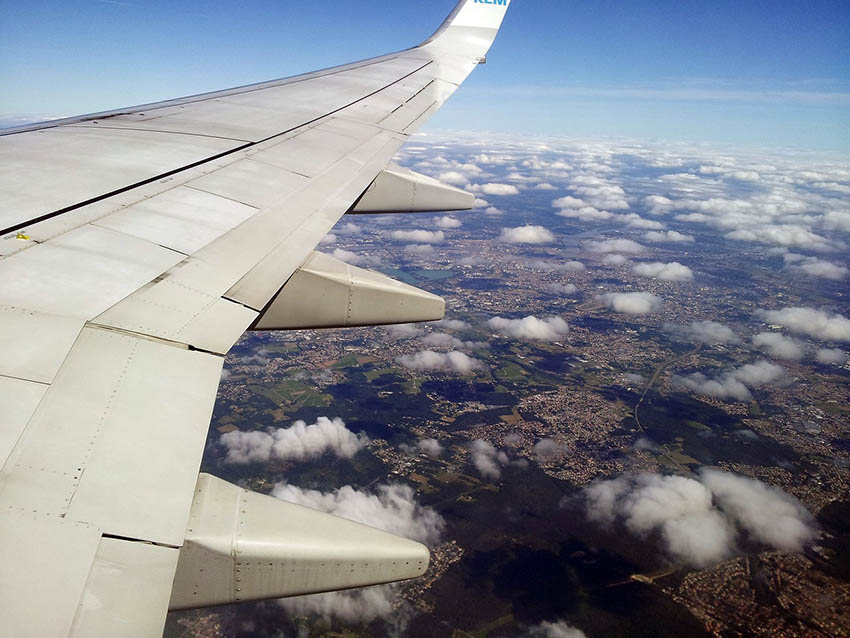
(137, 247)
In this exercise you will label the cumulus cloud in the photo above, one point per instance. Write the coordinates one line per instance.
(420, 250)
(814, 323)
(545, 186)
(615, 246)
(579, 209)
(392, 508)
(587, 214)
(668, 236)
(634, 220)
(766, 513)
(599, 192)
(298, 442)
(831, 356)
(419, 236)
(779, 346)
(527, 235)
(733, 384)
(447, 222)
(330, 238)
(452, 324)
(700, 520)
(562, 289)
(557, 266)
(499, 190)
(453, 177)
(428, 360)
(815, 267)
(616, 260)
(546, 329)
(707, 332)
(431, 447)
(405, 330)
(787, 235)
(492, 210)
(443, 340)
(631, 303)
(674, 271)
(546, 451)
(557, 629)
(487, 459)
(354, 259)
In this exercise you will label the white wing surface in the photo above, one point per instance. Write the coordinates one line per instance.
(136, 247)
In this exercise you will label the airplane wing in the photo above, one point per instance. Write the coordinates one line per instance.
(137, 246)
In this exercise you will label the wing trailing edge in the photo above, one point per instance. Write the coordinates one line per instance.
(243, 546)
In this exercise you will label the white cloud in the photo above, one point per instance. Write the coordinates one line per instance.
(546, 450)
(809, 321)
(615, 246)
(498, 190)
(831, 356)
(562, 289)
(330, 238)
(443, 340)
(631, 303)
(546, 329)
(405, 330)
(420, 236)
(452, 324)
(431, 447)
(354, 259)
(766, 513)
(392, 508)
(420, 250)
(787, 235)
(674, 271)
(453, 177)
(492, 210)
(734, 384)
(487, 459)
(447, 222)
(587, 214)
(527, 235)
(557, 629)
(298, 442)
(615, 260)
(670, 236)
(700, 520)
(779, 346)
(815, 267)
(707, 332)
(557, 266)
(545, 186)
(428, 360)
(636, 221)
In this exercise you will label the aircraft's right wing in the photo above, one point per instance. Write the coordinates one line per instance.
(137, 246)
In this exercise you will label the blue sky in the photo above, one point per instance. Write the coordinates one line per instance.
(744, 72)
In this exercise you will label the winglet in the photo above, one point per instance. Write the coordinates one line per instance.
(472, 22)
